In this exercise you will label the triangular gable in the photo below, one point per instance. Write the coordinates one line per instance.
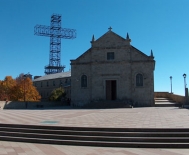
(85, 54)
(137, 54)
(110, 34)
(111, 39)
(108, 39)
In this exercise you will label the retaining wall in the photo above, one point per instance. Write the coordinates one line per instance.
(28, 105)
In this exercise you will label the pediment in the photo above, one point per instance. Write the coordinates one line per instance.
(109, 39)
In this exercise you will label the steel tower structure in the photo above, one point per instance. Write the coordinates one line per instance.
(55, 32)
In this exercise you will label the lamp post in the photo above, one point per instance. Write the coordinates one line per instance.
(24, 88)
(184, 75)
(185, 89)
(171, 83)
(26, 103)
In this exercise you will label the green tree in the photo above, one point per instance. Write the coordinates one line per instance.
(57, 94)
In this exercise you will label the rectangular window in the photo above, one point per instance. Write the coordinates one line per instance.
(139, 80)
(66, 81)
(110, 56)
(61, 84)
(83, 81)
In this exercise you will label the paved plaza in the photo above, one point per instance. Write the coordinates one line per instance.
(151, 117)
(14, 148)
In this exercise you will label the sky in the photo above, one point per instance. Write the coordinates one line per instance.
(158, 25)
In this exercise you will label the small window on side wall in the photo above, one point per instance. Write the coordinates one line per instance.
(110, 56)
(83, 81)
(66, 81)
(139, 80)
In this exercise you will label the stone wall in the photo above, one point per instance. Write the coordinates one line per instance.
(30, 105)
(161, 94)
(126, 63)
(80, 96)
(143, 96)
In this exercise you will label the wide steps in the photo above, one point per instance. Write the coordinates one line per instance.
(88, 136)
(165, 102)
(14, 131)
(161, 99)
(99, 143)
(98, 138)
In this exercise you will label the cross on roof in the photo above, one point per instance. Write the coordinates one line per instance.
(110, 28)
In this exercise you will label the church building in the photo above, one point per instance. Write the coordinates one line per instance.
(112, 70)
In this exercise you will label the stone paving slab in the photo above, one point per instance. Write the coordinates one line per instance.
(153, 117)
(15, 148)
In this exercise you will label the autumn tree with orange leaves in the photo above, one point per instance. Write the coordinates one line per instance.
(19, 89)
(6, 87)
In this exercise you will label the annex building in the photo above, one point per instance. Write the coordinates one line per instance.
(111, 70)
(46, 84)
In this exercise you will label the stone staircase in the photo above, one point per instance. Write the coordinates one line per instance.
(165, 102)
(102, 137)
